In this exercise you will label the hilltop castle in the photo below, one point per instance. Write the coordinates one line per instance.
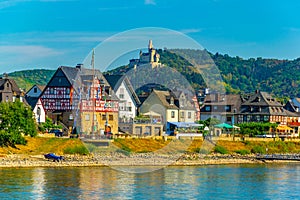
(151, 57)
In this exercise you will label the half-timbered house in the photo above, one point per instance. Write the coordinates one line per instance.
(81, 98)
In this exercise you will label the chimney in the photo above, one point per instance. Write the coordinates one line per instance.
(79, 66)
(217, 97)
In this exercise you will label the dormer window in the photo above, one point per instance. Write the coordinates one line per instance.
(172, 101)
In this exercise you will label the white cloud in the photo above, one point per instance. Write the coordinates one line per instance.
(19, 54)
(192, 30)
(150, 2)
(28, 50)
(54, 37)
(10, 3)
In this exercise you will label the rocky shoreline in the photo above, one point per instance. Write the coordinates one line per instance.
(119, 159)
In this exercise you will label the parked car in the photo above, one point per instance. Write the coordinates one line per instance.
(57, 132)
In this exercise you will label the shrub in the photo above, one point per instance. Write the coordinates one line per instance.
(79, 149)
(258, 149)
(246, 142)
(220, 149)
(242, 152)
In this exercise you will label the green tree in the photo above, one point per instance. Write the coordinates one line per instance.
(256, 128)
(16, 122)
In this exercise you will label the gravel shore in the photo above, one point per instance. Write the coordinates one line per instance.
(119, 159)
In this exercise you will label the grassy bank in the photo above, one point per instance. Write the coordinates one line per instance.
(221, 146)
(43, 145)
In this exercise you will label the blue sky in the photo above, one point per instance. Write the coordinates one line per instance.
(50, 33)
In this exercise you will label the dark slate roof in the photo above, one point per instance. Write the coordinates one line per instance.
(290, 106)
(14, 85)
(32, 101)
(115, 82)
(221, 100)
(70, 72)
(164, 97)
(261, 99)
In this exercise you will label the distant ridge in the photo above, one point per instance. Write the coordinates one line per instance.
(278, 77)
(27, 78)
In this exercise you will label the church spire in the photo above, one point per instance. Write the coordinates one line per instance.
(150, 46)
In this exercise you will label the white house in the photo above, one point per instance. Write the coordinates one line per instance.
(128, 100)
(33, 99)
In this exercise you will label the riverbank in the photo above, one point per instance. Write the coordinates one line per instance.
(119, 159)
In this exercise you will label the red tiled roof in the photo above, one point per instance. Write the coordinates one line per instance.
(294, 123)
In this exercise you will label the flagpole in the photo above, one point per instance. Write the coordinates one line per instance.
(92, 92)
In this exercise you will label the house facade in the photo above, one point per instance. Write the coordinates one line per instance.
(9, 90)
(172, 106)
(164, 103)
(188, 108)
(33, 99)
(262, 107)
(81, 98)
(128, 99)
(223, 107)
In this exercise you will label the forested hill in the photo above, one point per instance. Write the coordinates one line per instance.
(278, 77)
(27, 78)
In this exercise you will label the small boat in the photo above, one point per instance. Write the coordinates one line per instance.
(52, 156)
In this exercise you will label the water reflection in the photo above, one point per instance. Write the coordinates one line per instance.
(200, 182)
(38, 183)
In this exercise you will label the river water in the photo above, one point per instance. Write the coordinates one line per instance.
(271, 181)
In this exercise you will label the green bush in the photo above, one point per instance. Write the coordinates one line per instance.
(16, 121)
(220, 149)
(258, 149)
(242, 152)
(79, 149)
(246, 142)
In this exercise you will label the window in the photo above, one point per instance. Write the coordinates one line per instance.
(172, 114)
(248, 118)
(215, 107)
(266, 118)
(7, 85)
(87, 117)
(207, 108)
(51, 91)
(129, 106)
(111, 118)
(172, 101)
(228, 119)
(6, 99)
(121, 96)
(227, 108)
(68, 91)
(182, 114)
(189, 115)
(103, 117)
(35, 90)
